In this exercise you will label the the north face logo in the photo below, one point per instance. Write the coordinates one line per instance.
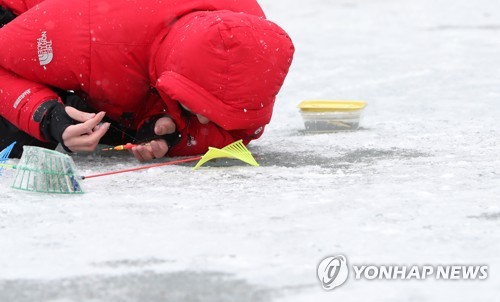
(45, 52)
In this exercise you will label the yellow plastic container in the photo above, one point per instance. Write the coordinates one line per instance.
(331, 115)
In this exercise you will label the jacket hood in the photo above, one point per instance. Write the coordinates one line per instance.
(226, 66)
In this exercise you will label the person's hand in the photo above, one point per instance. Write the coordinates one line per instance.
(155, 148)
(86, 135)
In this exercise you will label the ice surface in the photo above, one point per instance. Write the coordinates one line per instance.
(417, 184)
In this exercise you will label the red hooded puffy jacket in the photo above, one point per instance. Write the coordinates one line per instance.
(220, 58)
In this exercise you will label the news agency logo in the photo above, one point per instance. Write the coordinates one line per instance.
(333, 271)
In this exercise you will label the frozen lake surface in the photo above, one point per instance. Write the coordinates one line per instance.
(418, 184)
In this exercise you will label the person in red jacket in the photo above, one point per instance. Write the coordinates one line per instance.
(182, 76)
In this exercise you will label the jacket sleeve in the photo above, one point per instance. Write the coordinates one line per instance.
(25, 103)
(19, 6)
(196, 138)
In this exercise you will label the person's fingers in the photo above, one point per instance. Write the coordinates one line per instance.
(90, 142)
(137, 155)
(74, 131)
(86, 142)
(142, 153)
(83, 128)
(159, 148)
(93, 122)
(164, 125)
(155, 149)
(99, 132)
(77, 115)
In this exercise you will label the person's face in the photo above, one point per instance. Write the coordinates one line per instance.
(203, 120)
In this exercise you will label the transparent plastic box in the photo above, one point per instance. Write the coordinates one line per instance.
(322, 116)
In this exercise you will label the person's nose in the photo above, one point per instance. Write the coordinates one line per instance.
(203, 120)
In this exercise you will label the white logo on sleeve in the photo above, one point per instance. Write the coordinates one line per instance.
(22, 97)
(333, 272)
(45, 52)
